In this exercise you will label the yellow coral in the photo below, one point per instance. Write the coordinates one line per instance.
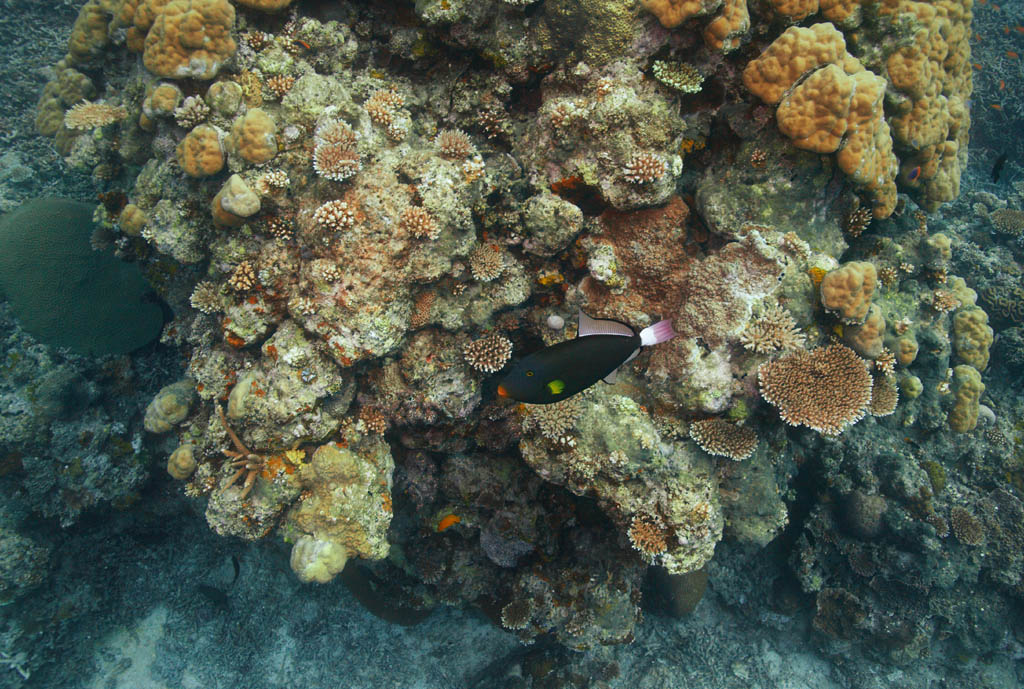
(89, 34)
(189, 38)
(254, 137)
(723, 33)
(672, 13)
(265, 5)
(967, 388)
(132, 220)
(814, 114)
(317, 559)
(161, 100)
(795, 10)
(181, 463)
(843, 12)
(972, 336)
(866, 338)
(847, 290)
(200, 153)
(235, 202)
(795, 53)
(906, 350)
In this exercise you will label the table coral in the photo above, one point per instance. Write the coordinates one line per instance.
(827, 389)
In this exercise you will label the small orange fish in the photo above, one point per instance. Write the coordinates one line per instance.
(1006, 29)
(1002, 84)
(996, 106)
(977, 66)
(448, 521)
(1012, 55)
(1019, 28)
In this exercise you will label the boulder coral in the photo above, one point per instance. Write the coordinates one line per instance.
(190, 38)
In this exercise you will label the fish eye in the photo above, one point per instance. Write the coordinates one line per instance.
(529, 373)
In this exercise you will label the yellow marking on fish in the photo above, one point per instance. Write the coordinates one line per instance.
(556, 386)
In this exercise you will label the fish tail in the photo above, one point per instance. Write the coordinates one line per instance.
(659, 332)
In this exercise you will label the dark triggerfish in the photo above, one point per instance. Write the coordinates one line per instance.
(561, 370)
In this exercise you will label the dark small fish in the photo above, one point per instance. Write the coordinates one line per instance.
(561, 370)
(234, 562)
(217, 598)
(997, 168)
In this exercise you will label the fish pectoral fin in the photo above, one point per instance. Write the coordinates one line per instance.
(595, 326)
(611, 377)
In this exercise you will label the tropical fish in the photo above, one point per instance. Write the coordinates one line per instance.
(563, 369)
(997, 168)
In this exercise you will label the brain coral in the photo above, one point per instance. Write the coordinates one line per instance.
(190, 38)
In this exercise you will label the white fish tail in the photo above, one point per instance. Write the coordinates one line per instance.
(659, 332)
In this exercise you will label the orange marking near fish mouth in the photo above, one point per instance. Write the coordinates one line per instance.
(502, 392)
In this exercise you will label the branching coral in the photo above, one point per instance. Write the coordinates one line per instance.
(826, 389)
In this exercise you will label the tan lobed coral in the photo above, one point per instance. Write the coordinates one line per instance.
(847, 290)
(200, 153)
(348, 507)
(837, 108)
(254, 137)
(672, 13)
(972, 336)
(967, 387)
(189, 39)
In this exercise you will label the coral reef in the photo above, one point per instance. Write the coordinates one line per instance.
(360, 213)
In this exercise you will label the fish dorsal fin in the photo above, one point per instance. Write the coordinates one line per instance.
(595, 326)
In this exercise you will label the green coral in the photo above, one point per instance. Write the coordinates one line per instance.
(936, 475)
(680, 76)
